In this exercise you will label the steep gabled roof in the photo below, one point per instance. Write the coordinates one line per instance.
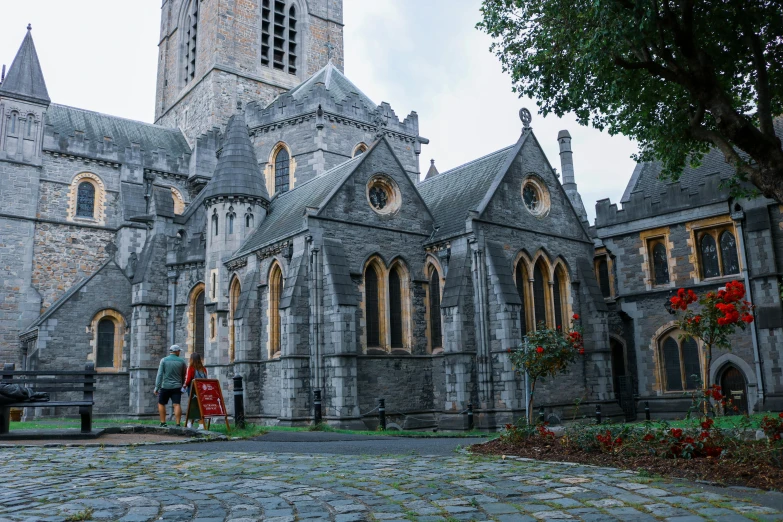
(25, 79)
(237, 172)
(286, 211)
(452, 194)
(338, 85)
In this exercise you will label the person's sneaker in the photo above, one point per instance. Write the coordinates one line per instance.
(164, 425)
(190, 424)
(178, 425)
(201, 426)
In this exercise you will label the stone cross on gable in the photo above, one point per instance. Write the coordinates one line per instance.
(282, 105)
(329, 48)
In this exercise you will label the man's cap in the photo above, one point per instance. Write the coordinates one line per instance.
(174, 348)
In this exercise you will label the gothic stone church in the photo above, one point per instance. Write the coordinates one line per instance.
(275, 219)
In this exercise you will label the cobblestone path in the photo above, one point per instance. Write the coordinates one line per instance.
(134, 485)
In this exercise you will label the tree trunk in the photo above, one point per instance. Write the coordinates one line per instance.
(530, 402)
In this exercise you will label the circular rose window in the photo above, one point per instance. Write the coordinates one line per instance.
(383, 194)
(535, 196)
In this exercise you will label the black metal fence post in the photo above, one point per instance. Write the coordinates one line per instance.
(647, 410)
(382, 413)
(239, 403)
(470, 417)
(317, 407)
(598, 414)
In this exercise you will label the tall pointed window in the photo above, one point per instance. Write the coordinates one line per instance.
(14, 122)
(105, 356)
(557, 296)
(282, 168)
(30, 123)
(395, 308)
(436, 335)
(191, 36)
(602, 271)
(709, 257)
(680, 362)
(198, 327)
(234, 293)
(279, 35)
(214, 224)
(522, 282)
(728, 252)
(659, 261)
(85, 200)
(275, 293)
(372, 305)
(539, 294)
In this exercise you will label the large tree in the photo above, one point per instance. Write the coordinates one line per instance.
(679, 76)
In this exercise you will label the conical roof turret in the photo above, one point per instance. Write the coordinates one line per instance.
(25, 79)
(237, 173)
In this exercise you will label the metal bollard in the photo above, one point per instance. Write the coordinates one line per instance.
(598, 414)
(382, 413)
(541, 416)
(239, 403)
(647, 410)
(470, 417)
(317, 407)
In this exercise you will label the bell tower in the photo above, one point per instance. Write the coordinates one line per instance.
(214, 54)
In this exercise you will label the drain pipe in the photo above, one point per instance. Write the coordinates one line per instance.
(738, 216)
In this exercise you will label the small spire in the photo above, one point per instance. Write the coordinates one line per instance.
(433, 170)
(29, 27)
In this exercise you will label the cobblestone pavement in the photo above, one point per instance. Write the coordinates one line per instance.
(135, 485)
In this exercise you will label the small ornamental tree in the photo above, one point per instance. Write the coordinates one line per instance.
(721, 313)
(549, 352)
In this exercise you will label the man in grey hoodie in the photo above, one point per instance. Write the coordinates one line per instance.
(168, 384)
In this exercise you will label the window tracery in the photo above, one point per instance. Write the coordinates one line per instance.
(680, 362)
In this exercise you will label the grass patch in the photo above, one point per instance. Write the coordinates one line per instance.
(725, 423)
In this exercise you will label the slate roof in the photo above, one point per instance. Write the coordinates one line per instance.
(338, 85)
(237, 172)
(133, 203)
(452, 194)
(95, 126)
(645, 178)
(25, 79)
(286, 211)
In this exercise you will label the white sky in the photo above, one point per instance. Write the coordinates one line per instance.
(422, 55)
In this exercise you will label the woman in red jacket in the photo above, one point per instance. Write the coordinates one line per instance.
(196, 370)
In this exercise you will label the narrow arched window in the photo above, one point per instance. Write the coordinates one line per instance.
(603, 278)
(275, 292)
(539, 295)
(249, 221)
(522, 281)
(372, 307)
(85, 200)
(230, 219)
(436, 335)
(282, 161)
(279, 36)
(557, 297)
(681, 366)
(234, 294)
(191, 38)
(690, 362)
(660, 263)
(105, 352)
(214, 224)
(198, 327)
(14, 118)
(671, 365)
(709, 257)
(728, 252)
(395, 308)
(30, 122)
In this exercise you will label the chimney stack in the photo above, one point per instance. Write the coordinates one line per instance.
(566, 158)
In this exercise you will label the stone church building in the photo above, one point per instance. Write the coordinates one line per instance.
(275, 220)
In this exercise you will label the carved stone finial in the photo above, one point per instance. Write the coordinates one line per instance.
(526, 118)
(29, 27)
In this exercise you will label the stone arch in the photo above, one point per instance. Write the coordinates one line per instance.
(179, 201)
(671, 330)
(276, 280)
(269, 171)
(99, 198)
(373, 305)
(234, 293)
(562, 301)
(728, 360)
(435, 276)
(399, 305)
(359, 148)
(117, 341)
(196, 327)
(541, 276)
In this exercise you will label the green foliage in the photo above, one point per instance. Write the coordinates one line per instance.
(678, 76)
(85, 514)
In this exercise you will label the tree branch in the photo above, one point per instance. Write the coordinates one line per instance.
(763, 105)
(700, 133)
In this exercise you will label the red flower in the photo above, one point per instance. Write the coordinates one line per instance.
(581, 351)
(707, 424)
(704, 435)
(540, 349)
(747, 318)
(508, 350)
(576, 317)
(648, 437)
(713, 451)
(676, 433)
(780, 415)
(697, 319)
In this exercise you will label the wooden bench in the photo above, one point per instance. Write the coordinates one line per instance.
(51, 382)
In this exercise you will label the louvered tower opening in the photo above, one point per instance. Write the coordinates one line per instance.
(279, 33)
(190, 41)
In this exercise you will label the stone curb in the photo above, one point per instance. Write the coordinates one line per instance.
(194, 436)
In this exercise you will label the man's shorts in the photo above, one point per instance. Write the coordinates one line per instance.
(174, 394)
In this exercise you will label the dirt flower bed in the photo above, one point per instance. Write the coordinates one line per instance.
(701, 452)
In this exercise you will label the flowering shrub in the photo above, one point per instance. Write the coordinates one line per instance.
(608, 442)
(720, 314)
(551, 351)
(773, 427)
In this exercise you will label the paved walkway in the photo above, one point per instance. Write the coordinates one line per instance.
(136, 484)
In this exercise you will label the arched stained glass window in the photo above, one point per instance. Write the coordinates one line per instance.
(436, 335)
(728, 252)
(395, 308)
(522, 281)
(372, 307)
(85, 200)
(603, 278)
(671, 365)
(690, 361)
(539, 295)
(709, 257)
(660, 263)
(282, 161)
(557, 294)
(275, 293)
(105, 352)
(198, 334)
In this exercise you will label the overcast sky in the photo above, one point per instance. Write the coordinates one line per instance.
(418, 55)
